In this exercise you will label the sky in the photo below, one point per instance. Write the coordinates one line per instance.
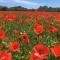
(30, 3)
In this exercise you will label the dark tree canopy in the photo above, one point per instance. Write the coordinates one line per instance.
(41, 8)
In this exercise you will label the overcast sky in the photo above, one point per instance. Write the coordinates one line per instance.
(30, 3)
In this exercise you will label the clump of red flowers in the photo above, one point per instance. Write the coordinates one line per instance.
(39, 29)
(2, 34)
(11, 17)
(2, 23)
(29, 34)
(34, 57)
(37, 23)
(5, 55)
(14, 46)
(25, 37)
(41, 52)
(56, 51)
(27, 21)
(54, 30)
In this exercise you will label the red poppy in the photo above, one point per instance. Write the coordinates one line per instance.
(39, 29)
(46, 21)
(37, 23)
(5, 56)
(15, 16)
(9, 18)
(34, 57)
(2, 23)
(27, 21)
(41, 51)
(2, 34)
(56, 50)
(25, 37)
(58, 25)
(54, 30)
(14, 46)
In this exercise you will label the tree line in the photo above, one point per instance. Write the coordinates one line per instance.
(19, 8)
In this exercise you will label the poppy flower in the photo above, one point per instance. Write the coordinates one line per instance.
(34, 57)
(46, 21)
(42, 51)
(25, 37)
(15, 16)
(54, 30)
(2, 23)
(39, 29)
(37, 23)
(58, 25)
(5, 56)
(27, 21)
(2, 34)
(56, 51)
(9, 18)
(14, 46)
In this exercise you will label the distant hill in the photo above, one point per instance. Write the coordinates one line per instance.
(46, 8)
(19, 8)
(16, 8)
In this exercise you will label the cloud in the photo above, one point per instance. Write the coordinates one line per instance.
(25, 2)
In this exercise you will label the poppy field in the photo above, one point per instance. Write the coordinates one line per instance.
(29, 35)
